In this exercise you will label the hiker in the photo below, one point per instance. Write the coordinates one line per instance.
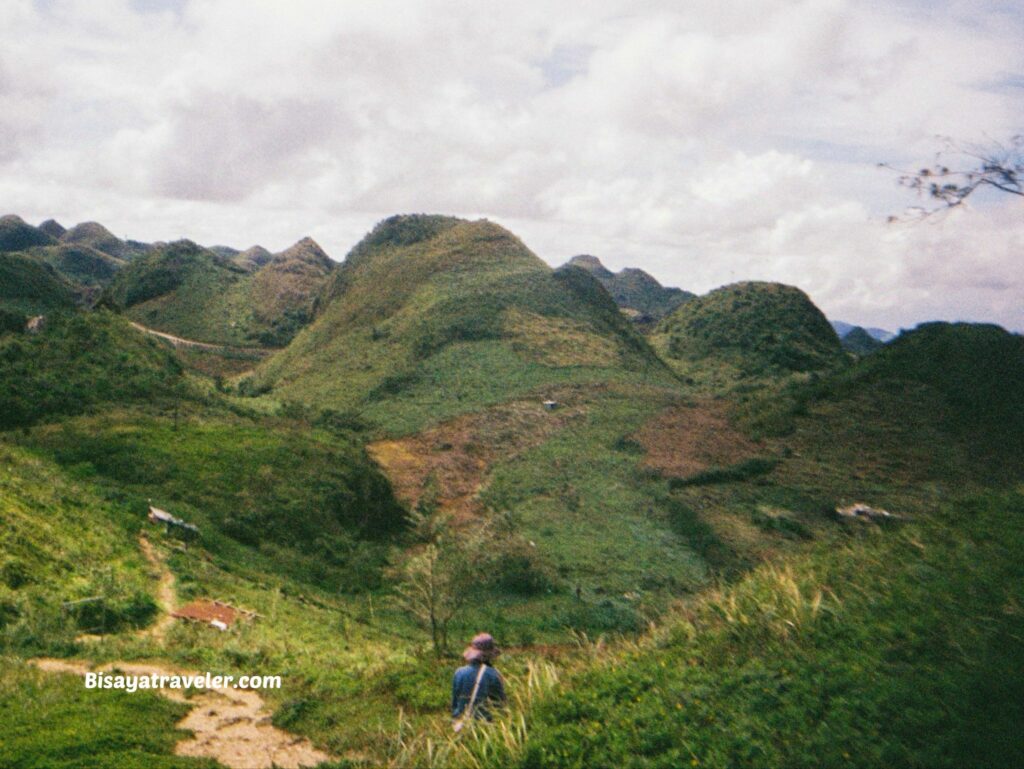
(477, 686)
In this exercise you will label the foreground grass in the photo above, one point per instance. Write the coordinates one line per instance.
(901, 648)
(53, 722)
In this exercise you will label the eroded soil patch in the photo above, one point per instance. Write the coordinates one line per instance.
(451, 461)
(684, 440)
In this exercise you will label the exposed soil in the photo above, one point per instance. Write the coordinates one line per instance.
(229, 725)
(683, 440)
(166, 597)
(177, 341)
(451, 461)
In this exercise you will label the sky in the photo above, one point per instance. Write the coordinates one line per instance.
(706, 142)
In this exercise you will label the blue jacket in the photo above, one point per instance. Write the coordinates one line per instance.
(491, 692)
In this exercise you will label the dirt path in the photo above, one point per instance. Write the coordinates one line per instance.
(177, 341)
(166, 596)
(229, 725)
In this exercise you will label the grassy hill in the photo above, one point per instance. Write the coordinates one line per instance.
(634, 289)
(29, 286)
(95, 235)
(189, 291)
(748, 330)
(16, 235)
(80, 362)
(431, 316)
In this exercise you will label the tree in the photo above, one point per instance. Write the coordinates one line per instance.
(432, 589)
(998, 166)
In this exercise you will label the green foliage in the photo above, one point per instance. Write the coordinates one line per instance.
(29, 286)
(423, 309)
(16, 235)
(761, 329)
(634, 289)
(78, 362)
(190, 291)
(307, 502)
(895, 651)
(61, 544)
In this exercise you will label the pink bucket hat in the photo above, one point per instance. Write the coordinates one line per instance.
(482, 648)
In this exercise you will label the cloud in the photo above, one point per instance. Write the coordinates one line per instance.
(706, 143)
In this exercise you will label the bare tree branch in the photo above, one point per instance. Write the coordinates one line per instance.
(999, 166)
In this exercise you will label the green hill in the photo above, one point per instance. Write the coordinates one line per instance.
(748, 330)
(977, 369)
(431, 316)
(634, 289)
(29, 286)
(16, 235)
(860, 342)
(189, 291)
(78, 362)
(95, 235)
(53, 228)
(81, 265)
(284, 289)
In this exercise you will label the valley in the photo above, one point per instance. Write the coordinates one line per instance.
(633, 488)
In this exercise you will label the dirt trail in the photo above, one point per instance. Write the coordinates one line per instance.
(177, 341)
(166, 596)
(229, 725)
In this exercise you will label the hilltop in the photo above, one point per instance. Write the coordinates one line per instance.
(30, 286)
(441, 314)
(17, 235)
(860, 342)
(746, 330)
(635, 291)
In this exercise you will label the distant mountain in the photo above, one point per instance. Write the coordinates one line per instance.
(858, 341)
(843, 328)
(53, 228)
(17, 235)
(748, 329)
(634, 290)
(189, 291)
(253, 258)
(455, 314)
(95, 235)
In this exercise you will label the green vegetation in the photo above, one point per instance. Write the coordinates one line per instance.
(424, 308)
(31, 287)
(312, 505)
(892, 650)
(16, 235)
(78, 362)
(63, 543)
(860, 342)
(747, 330)
(634, 289)
(190, 291)
(81, 265)
(52, 721)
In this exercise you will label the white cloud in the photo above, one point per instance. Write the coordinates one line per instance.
(706, 142)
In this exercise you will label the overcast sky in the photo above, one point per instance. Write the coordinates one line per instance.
(706, 141)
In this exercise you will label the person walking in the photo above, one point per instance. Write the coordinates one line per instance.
(477, 686)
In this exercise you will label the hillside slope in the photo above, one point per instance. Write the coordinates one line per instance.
(29, 286)
(440, 315)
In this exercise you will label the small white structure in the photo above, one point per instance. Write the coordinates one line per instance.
(862, 512)
(550, 405)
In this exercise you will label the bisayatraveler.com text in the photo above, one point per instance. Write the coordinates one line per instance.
(133, 683)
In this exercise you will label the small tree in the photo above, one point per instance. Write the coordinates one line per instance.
(999, 167)
(432, 588)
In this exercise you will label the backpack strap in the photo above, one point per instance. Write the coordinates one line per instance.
(476, 688)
